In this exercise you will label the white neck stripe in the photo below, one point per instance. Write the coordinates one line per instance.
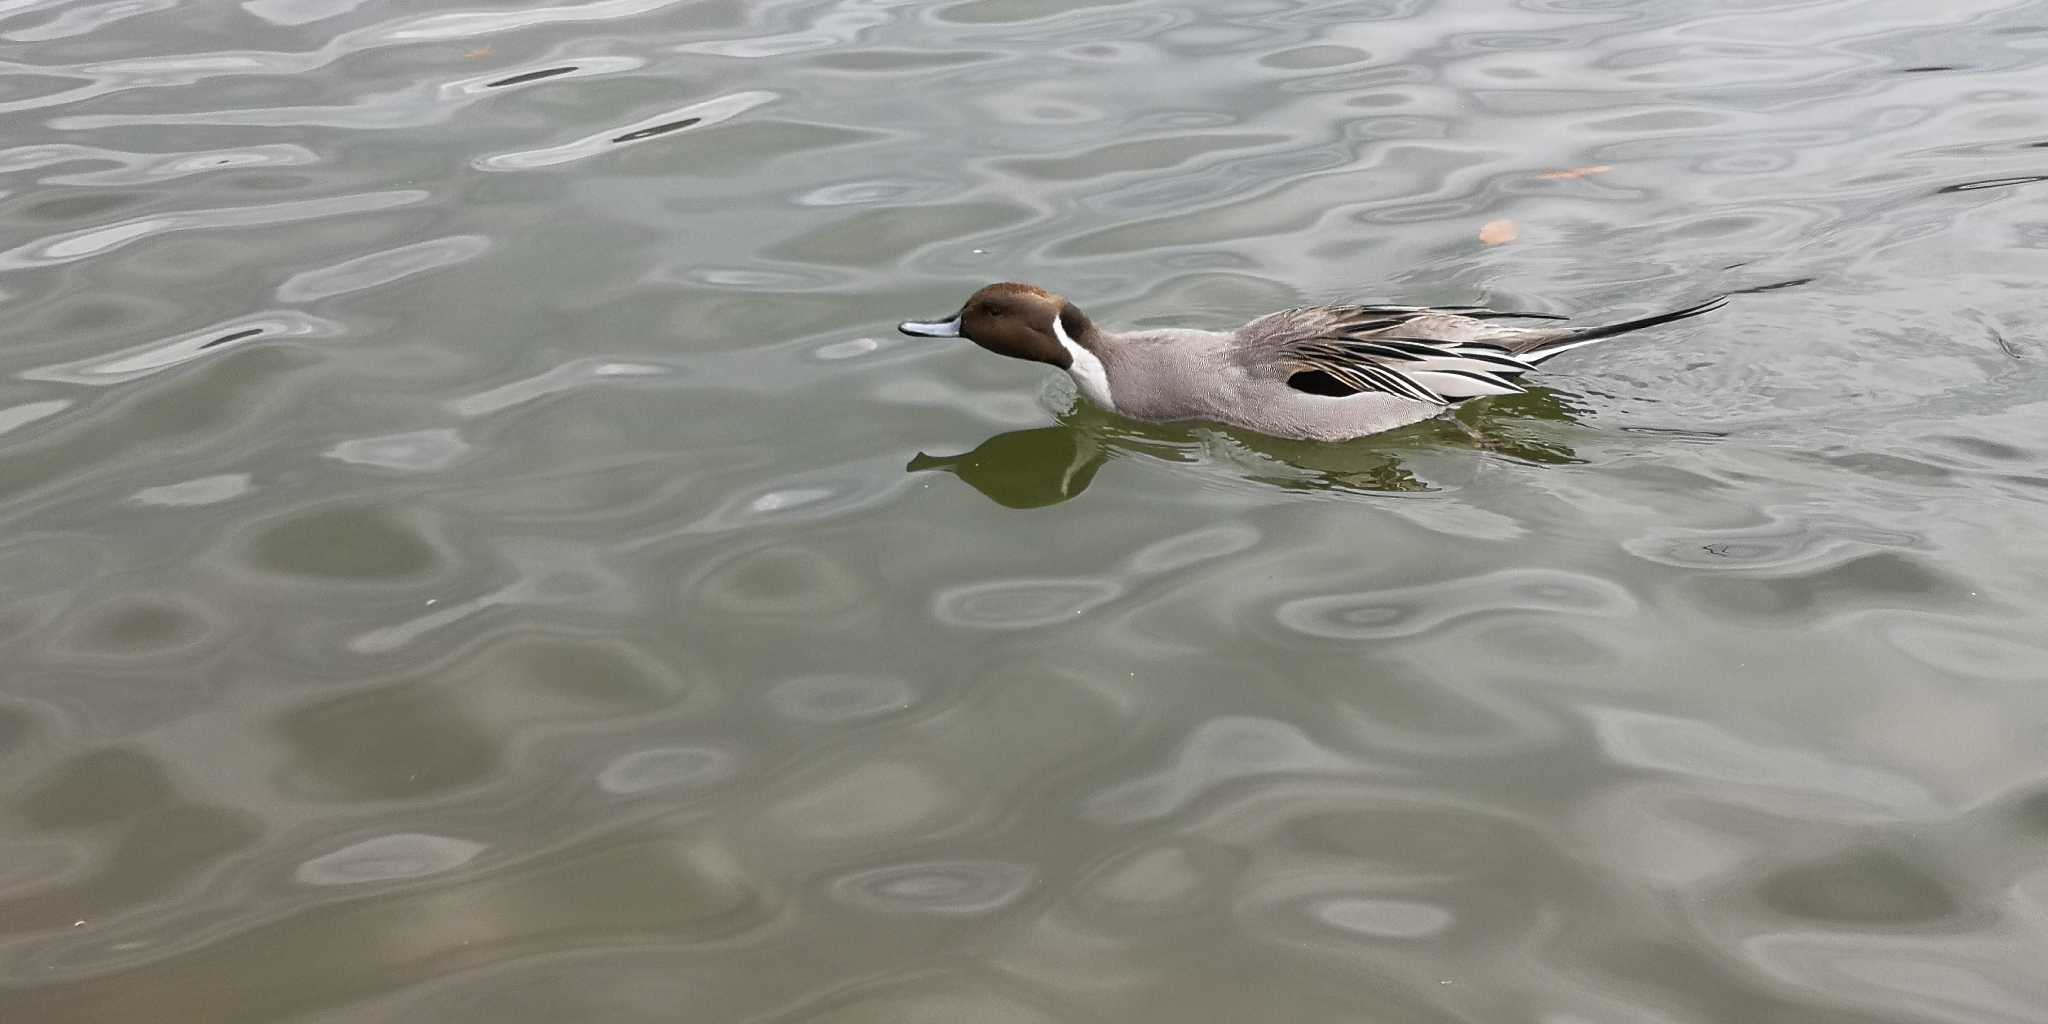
(1090, 376)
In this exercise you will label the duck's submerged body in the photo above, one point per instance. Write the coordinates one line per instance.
(1324, 373)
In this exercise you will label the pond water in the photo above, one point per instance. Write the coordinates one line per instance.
(475, 548)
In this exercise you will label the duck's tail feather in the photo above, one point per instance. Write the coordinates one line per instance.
(1560, 342)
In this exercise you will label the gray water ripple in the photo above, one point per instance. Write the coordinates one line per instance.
(205, 490)
(695, 116)
(949, 888)
(388, 858)
(1022, 603)
(1218, 752)
(666, 768)
(823, 495)
(1173, 554)
(1785, 540)
(98, 241)
(148, 168)
(1936, 981)
(840, 697)
(299, 12)
(15, 417)
(381, 268)
(420, 451)
(473, 23)
(569, 376)
(1701, 750)
(417, 105)
(1383, 918)
(81, 19)
(157, 71)
(828, 27)
(157, 356)
(546, 573)
(863, 193)
(1957, 648)
(1412, 611)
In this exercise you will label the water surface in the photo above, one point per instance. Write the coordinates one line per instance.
(472, 548)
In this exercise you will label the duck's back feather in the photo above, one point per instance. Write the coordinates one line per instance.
(1430, 355)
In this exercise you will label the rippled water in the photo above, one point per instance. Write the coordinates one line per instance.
(475, 550)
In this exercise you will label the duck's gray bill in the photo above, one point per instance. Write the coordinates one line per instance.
(933, 329)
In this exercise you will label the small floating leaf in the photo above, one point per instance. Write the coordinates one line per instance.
(1775, 286)
(530, 76)
(1972, 186)
(236, 336)
(2004, 345)
(1499, 232)
(1575, 173)
(660, 129)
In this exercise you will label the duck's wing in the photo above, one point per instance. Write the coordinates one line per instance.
(1437, 355)
(1443, 354)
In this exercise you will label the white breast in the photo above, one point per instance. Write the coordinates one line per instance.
(1087, 370)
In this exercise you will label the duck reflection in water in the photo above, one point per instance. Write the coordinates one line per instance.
(1048, 465)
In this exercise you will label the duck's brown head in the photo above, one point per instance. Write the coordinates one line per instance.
(1017, 320)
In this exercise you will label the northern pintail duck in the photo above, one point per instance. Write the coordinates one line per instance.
(1320, 373)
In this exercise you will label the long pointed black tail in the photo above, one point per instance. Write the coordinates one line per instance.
(1565, 341)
